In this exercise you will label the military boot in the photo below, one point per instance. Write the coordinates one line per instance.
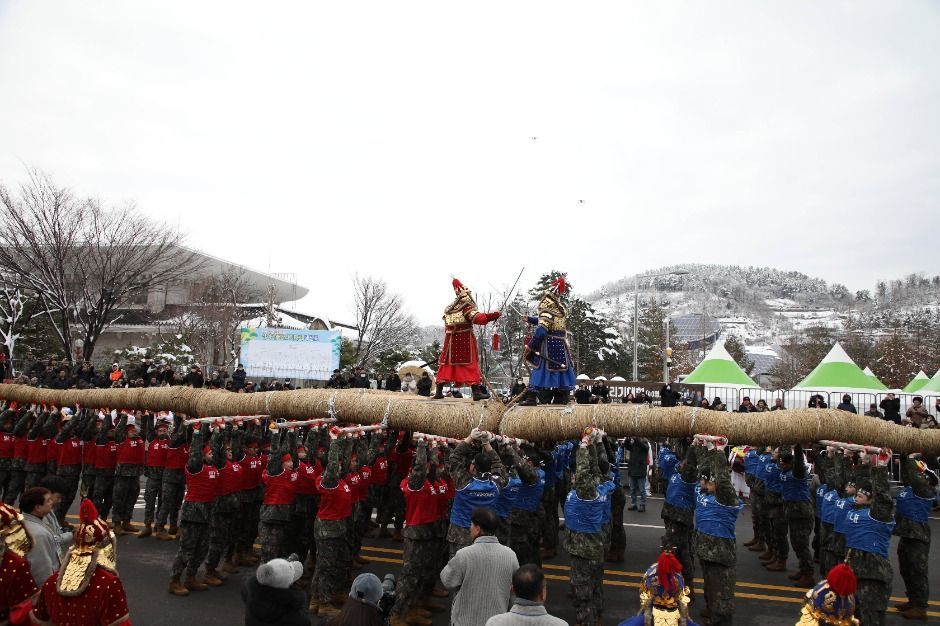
(160, 533)
(903, 606)
(760, 546)
(228, 566)
(147, 531)
(212, 577)
(439, 394)
(915, 612)
(805, 580)
(397, 620)
(767, 556)
(753, 542)
(779, 565)
(194, 585)
(174, 530)
(176, 588)
(413, 618)
(129, 528)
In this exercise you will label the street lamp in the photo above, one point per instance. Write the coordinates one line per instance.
(636, 309)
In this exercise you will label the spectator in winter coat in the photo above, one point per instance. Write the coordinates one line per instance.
(409, 384)
(917, 413)
(393, 382)
(239, 376)
(873, 411)
(424, 385)
(530, 590)
(892, 408)
(43, 557)
(61, 381)
(746, 406)
(582, 395)
(668, 396)
(195, 377)
(270, 597)
(637, 468)
(336, 381)
(86, 373)
(846, 404)
(762, 406)
(116, 373)
(778, 405)
(817, 402)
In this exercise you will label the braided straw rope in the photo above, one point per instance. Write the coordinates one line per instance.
(456, 417)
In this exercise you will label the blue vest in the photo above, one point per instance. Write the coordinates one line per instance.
(530, 496)
(507, 497)
(585, 516)
(912, 506)
(840, 521)
(820, 494)
(829, 509)
(561, 453)
(606, 489)
(477, 493)
(615, 466)
(866, 533)
(714, 518)
(751, 462)
(794, 489)
(679, 493)
(667, 462)
(772, 478)
(760, 471)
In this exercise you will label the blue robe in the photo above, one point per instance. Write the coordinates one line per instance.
(557, 373)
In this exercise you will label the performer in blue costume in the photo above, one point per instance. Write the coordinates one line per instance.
(664, 597)
(548, 351)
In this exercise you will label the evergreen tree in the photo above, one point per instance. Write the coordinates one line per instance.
(544, 282)
(651, 339)
(737, 351)
(896, 361)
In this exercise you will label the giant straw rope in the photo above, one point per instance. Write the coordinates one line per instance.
(457, 417)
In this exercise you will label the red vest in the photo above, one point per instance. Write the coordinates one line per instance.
(363, 492)
(7, 443)
(279, 489)
(131, 452)
(36, 451)
(445, 493)
(203, 485)
(156, 452)
(70, 452)
(252, 466)
(355, 484)
(421, 506)
(52, 450)
(20, 447)
(230, 478)
(106, 455)
(176, 457)
(88, 453)
(335, 503)
(307, 476)
(380, 471)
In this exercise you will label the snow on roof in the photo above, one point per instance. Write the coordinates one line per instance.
(837, 355)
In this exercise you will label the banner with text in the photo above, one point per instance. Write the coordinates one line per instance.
(290, 353)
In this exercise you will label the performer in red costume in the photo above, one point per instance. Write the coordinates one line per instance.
(17, 587)
(459, 363)
(86, 590)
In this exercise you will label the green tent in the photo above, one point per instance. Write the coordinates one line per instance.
(917, 383)
(878, 384)
(838, 373)
(932, 387)
(719, 370)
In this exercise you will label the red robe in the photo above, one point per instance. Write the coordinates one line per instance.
(17, 587)
(459, 362)
(103, 602)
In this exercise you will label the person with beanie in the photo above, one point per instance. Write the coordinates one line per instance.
(270, 597)
(362, 606)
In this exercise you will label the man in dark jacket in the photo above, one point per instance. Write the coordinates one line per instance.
(194, 378)
(239, 376)
(582, 395)
(424, 385)
(393, 382)
(639, 448)
(891, 406)
(668, 396)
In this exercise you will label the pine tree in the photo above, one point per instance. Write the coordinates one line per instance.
(544, 282)
(651, 339)
(736, 349)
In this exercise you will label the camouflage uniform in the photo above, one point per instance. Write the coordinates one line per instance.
(717, 555)
(274, 518)
(194, 518)
(224, 507)
(914, 545)
(104, 478)
(873, 571)
(43, 429)
(334, 559)
(525, 532)
(422, 544)
(7, 425)
(800, 518)
(679, 521)
(458, 465)
(173, 484)
(70, 473)
(14, 485)
(126, 479)
(152, 491)
(587, 549)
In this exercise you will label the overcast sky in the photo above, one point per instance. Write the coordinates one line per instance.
(415, 141)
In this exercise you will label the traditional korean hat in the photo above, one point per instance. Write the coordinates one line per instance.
(831, 601)
(664, 597)
(94, 546)
(13, 533)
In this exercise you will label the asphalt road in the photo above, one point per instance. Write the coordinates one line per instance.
(762, 597)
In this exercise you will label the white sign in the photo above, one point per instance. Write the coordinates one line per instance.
(289, 353)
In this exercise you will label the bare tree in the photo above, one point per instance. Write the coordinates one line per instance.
(83, 261)
(12, 304)
(381, 320)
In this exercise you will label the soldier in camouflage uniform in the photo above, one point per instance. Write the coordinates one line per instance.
(280, 482)
(127, 475)
(798, 510)
(38, 438)
(868, 537)
(422, 543)
(249, 498)
(913, 508)
(525, 517)
(70, 467)
(473, 473)
(105, 458)
(159, 438)
(716, 510)
(334, 560)
(173, 484)
(7, 444)
(202, 482)
(778, 548)
(618, 500)
(226, 445)
(561, 482)
(88, 435)
(679, 510)
(300, 529)
(584, 539)
(18, 466)
(759, 522)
